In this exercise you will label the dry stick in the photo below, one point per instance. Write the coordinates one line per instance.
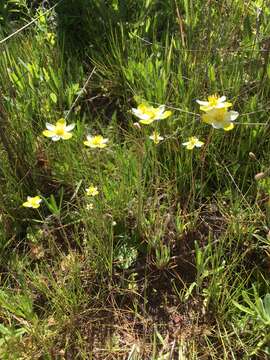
(241, 49)
(80, 92)
(181, 27)
(236, 186)
(28, 24)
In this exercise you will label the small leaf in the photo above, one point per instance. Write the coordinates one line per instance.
(266, 302)
(243, 308)
(53, 97)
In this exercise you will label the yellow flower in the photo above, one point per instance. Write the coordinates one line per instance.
(214, 102)
(58, 131)
(155, 137)
(32, 202)
(192, 142)
(148, 114)
(220, 118)
(92, 191)
(97, 141)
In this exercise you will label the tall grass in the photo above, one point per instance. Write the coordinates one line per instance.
(171, 259)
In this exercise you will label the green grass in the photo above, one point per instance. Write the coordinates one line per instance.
(172, 260)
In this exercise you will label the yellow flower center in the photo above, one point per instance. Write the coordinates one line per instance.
(149, 111)
(220, 115)
(192, 140)
(156, 136)
(60, 130)
(213, 100)
(97, 140)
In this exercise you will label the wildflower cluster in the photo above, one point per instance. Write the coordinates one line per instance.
(148, 114)
(62, 131)
(215, 110)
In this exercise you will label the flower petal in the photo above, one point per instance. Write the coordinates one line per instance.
(139, 113)
(218, 125)
(206, 108)
(50, 127)
(66, 136)
(61, 122)
(70, 127)
(144, 117)
(48, 133)
(101, 146)
(202, 102)
(229, 127)
(222, 99)
(233, 115)
(146, 122)
(55, 138)
(160, 110)
(35, 206)
(223, 105)
(143, 107)
(26, 204)
(165, 115)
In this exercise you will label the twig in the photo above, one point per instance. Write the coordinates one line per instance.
(80, 93)
(181, 27)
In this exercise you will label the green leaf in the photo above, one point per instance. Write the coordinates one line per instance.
(243, 308)
(266, 302)
(53, 97)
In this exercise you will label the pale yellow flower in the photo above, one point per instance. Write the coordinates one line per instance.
(156, 137)
(220, 118)
(148, 114)
(51, 38)
(92, 191)
(89, 206)
(97, 141)
(32, 202)
(192, 142)
(58, 131)
(214, 102)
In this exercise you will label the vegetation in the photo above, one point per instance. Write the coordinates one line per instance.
(130, 230)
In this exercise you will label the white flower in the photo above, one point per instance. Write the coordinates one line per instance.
(214, 102)
(58, 131)
(97, 141)
(148, 114)
(155, 137)
(192, 142)
(220, 118)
